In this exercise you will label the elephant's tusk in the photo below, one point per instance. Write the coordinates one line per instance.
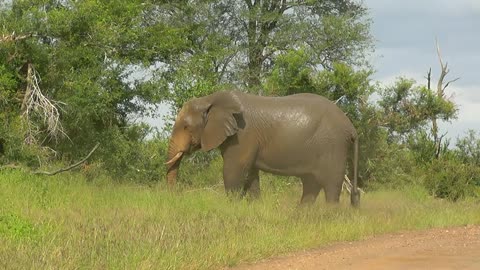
(174, 159)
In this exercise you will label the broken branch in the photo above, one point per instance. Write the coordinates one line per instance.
(14, 37)
(71, 166)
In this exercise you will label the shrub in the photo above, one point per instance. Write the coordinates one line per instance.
(15, 150)
(391, 166)
(201, 169)
(451, 179)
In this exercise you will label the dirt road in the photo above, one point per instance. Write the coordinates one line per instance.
(453, 248)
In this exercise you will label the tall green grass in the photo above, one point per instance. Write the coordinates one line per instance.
(68, 222)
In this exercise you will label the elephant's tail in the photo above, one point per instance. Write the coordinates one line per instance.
(355, 194)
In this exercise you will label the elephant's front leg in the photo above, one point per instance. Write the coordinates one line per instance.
(240, 178)
(239, 175)
(252, 183)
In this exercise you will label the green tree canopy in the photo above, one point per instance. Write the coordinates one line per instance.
(238, 43)
(86, 56)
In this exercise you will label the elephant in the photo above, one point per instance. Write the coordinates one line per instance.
(303, 135)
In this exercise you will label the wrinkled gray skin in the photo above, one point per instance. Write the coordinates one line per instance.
(303, 135)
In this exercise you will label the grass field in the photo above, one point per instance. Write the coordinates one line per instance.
(67, 222)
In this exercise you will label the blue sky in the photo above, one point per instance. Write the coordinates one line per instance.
(405, 33)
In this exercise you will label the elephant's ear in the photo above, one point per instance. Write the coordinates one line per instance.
(223, 119)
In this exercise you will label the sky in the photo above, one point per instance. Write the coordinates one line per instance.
(405, 33)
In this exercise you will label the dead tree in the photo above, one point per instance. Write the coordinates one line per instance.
(440, 92)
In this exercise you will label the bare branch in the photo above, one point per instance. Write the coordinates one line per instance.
(429, 78)
(71, 166)
(13, 37)
(35, 103)
(438, 145)
(451, 81)
(439, 55)
(444, 71)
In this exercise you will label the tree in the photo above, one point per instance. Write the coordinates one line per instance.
(86, 55)
(330, 31)
(441, 86)
(408, 109)
(237, 43)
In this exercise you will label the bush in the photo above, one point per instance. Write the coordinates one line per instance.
(451, 179)
(14, 149)
(130, 157)
(201, 169)
(391, 165)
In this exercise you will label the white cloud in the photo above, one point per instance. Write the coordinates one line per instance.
(468, 101)
(468, 94)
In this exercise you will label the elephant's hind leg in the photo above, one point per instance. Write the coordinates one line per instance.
(333, 186)
(311, 188)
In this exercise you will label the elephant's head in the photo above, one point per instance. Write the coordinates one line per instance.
(202, 123)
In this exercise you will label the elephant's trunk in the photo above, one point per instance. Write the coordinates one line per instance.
(172, 174)
(178, 145)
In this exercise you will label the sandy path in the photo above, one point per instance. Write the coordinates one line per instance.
(452, 248)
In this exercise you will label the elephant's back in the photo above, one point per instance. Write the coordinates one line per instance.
(322, 111)
(303, 110)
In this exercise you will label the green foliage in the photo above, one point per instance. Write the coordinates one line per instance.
(468, 148)
(13, 226)
(291, 75)
(202, 170)
(348, 87)
(406, 107)
(12, 133)
(7, 87)
(451, 179)
(238, 43)
(188, 85)
(88, 55)
(389, 166)
(423, 146)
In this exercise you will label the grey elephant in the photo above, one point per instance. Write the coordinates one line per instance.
(303, 135)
